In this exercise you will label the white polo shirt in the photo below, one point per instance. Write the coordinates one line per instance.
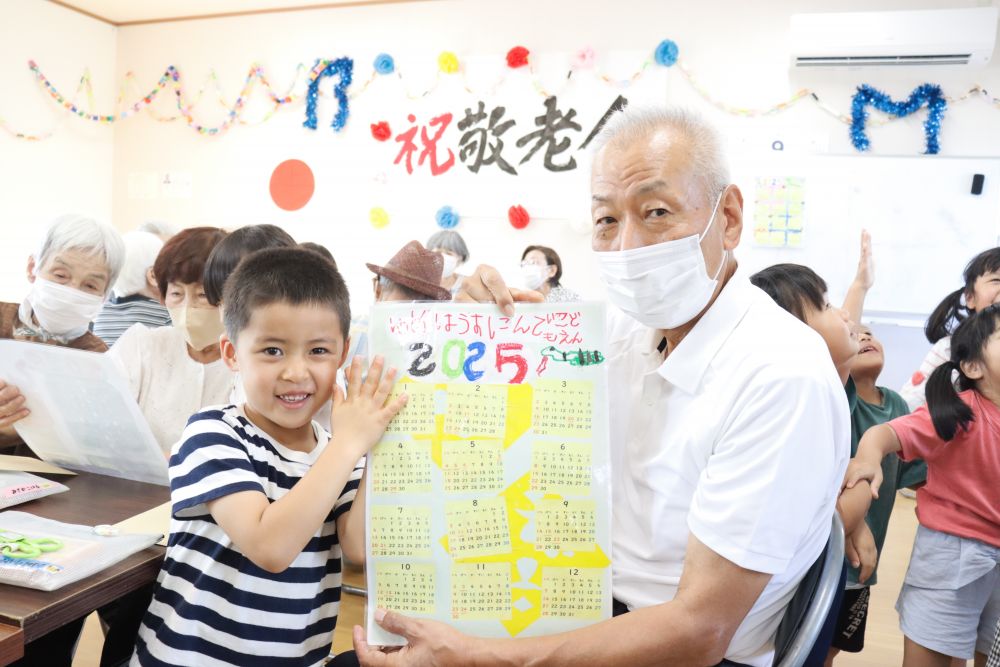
(740, 437)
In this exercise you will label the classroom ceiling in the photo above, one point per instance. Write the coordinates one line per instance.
(132, 12)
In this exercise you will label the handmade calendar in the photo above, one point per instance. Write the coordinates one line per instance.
(488, 498)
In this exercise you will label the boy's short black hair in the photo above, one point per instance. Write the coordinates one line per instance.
(294, 276)
(792, 286)
(227, 255)
(321, 249)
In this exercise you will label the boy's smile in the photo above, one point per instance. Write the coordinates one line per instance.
(287, 357)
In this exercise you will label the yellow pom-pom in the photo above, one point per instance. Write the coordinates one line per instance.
(378, 217)
(448, 62)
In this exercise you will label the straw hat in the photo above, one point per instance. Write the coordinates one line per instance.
(417, 268)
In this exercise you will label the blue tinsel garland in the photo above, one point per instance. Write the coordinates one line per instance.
(343, 69)
(927, 94)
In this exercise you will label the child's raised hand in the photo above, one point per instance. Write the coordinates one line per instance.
(865, 277)
(858, 470)
(359, 418)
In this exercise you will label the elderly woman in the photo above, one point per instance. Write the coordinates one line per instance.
(71, 274)
(135, 299)
(541, 270)
(175, 371)
(451, 246)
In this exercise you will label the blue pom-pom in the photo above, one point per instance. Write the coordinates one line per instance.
(446, 217)
(384, 64)
(666, 53)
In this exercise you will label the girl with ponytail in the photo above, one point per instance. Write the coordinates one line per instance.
(950, 601)
(982, 288)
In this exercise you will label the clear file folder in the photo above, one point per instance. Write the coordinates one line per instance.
(83, 415)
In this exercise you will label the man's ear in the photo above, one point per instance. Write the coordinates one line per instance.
(732, 211)
(31, 268)
(229, 352)
(151, 279)
(972, 370)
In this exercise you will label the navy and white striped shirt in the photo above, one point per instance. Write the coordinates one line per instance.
(120, 313)
(212, 605)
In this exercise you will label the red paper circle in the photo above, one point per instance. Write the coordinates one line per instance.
(517, 57)
(292, 185)
(381, 131)
(518, 217)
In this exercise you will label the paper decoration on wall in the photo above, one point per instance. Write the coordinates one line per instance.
(665, 54)
(343, 69)
(518, 217)
(485, 505)
(446, 217)
(779, 212)
(381, 131)
(292, 185)
(517, 57)
(928, 95)
(378, 217)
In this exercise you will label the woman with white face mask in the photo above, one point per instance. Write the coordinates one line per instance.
(71, 274)
(541, 270)
(177, 370)
(451, 246)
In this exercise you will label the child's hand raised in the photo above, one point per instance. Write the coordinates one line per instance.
(859, 470)
(359, 418)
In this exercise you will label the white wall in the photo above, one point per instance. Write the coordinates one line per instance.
(70, 172)
(738, 50)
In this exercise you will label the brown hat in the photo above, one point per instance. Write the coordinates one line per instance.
(417, 268)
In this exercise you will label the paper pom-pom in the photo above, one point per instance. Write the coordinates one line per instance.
(384, 64)
(446, 217)
(378, 217)
(448, 62)
(666, 53)
(584, 58)
(518, 217)
(381, 131)
(517, 57)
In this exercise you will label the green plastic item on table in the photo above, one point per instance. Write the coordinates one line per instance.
(16, 545)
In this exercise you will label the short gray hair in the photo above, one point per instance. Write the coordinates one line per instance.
(450, 241)
(159, 227)
(92, 238)
(708, 159)
(141, 249)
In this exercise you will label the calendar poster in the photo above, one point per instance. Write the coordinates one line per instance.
(488, 498)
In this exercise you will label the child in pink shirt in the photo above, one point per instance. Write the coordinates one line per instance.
(950, 600)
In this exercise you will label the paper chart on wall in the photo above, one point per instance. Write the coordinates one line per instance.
(488, 498)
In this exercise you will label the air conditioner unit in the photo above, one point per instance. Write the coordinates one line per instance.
(879, 39)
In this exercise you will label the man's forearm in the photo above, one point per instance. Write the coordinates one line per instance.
(661, 635)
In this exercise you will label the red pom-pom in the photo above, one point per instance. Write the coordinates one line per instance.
(381, 131)
(518, 217)
(517, 57)
(917, 378)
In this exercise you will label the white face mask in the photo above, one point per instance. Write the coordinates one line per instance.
(533, 275)
(61, 310)
(661, 286)
(450, 264)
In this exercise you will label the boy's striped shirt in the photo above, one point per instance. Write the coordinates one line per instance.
(214, 607)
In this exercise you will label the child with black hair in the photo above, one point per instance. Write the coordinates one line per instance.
(950, 600)
(264, 500)
(227, 255)
(981, 289)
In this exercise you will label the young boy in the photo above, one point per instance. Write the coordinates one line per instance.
(875, 405)
(263, 499)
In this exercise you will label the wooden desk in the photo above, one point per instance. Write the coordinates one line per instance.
(27, 614)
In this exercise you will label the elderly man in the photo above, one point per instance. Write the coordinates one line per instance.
(730, 427)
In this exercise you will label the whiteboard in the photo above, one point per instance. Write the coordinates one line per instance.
(925, 223)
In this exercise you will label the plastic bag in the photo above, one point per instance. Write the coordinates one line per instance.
(82, 551)
(20, 487)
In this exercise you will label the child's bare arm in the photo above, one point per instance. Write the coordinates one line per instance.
(273, 534)
(351, 527)
(876, 444)
(854, 301)
(852, 505)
